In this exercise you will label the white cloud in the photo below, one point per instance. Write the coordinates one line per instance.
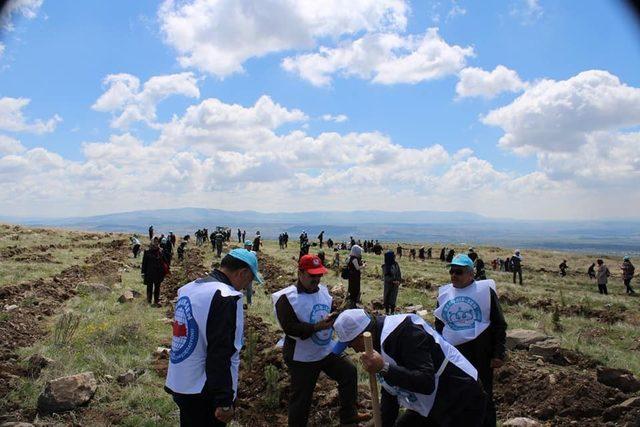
(384, 58)
(12, 119)
(456, 10)
(340, 118)
(131, 104)
(528, 11)
(218, 36)
(2, 49)
(10, 145)
(488, 84)
(560, 116)
(26, 8)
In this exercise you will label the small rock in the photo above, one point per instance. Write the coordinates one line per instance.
(376, 304)
(618, 378)
(128, 295)
(412, 308)
(423, 313)
(546, 349)
(67, 393)
(523, 338)
(552, 379)
(632, 402)
(36, 363)
(162, 352)
(540, 362)
(10, 307)
(521, 422)
(127, 378)
(108, 377)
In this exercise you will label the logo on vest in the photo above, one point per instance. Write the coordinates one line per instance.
(461, 313)
(319, 312)
(185, 331)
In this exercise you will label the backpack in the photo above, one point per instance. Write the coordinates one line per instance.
(345, 272)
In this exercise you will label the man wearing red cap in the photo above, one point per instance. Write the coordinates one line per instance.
(304, 313)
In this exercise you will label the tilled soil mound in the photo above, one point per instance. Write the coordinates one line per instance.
(275, 277)
(36, 300)
(559, 396)
(182, 272)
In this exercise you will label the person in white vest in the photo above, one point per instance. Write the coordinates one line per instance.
(207, 338)
(469, 316)
(417, 368)
(304, 313)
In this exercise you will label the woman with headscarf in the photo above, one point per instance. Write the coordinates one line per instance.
(392, 278)
(355, 265)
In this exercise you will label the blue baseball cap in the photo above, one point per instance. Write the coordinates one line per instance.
(461, 260)
(250, 259)
(248, 243)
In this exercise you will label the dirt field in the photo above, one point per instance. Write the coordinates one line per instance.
(558, 389)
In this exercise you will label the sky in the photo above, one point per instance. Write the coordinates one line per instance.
(525, 109)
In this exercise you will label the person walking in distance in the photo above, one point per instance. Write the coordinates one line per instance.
(628, 271)
(355, 266)
(392, 278)
(153, 269)
(602, 277)
(516, 266)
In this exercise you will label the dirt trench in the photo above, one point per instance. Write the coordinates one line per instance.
(23, 325)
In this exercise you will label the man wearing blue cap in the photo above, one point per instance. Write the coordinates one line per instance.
(207, 337)
(469, 316)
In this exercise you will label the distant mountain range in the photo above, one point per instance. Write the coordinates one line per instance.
(410, 226)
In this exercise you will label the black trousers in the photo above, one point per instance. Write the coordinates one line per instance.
(196, 411)
(153, 288)
(627, 284)
(354, 292)
(468, 412)
(519, 273)
(136, 250)
(603, 289)
(490, 417)
(304, 376)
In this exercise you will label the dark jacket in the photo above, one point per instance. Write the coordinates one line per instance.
(152, 266)
(221, 331)
(490, 344)
(418, 358)
(391, 274)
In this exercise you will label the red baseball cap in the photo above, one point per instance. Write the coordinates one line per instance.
(311, 264)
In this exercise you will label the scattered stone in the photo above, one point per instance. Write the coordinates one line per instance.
(97, 288)
(127, 378)
(108, 377)
(36, 363)
(618, 378)
(424, 313)
(10, 307)
(521, 422)
(547, 349)
(67, 393)
(128, 295)
(552, 379)
(162, 352)
(413, 308)
(632, 402)
(540, 362)
(523, 338)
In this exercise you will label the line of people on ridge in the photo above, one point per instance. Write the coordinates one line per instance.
(441, 375)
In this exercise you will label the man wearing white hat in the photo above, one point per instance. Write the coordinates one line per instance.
(468, 315)
(417, 369)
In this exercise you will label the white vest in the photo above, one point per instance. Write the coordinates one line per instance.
(421, 403)
(309, 308)
(186, 373)
(465, 312)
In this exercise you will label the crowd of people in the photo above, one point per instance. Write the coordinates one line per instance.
(440, 374)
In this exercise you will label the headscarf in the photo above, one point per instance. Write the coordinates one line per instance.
(356, 251)
(389, 260)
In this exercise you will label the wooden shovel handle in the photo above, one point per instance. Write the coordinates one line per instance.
(375, 400)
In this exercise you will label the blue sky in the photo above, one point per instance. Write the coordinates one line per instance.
(429, 123)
